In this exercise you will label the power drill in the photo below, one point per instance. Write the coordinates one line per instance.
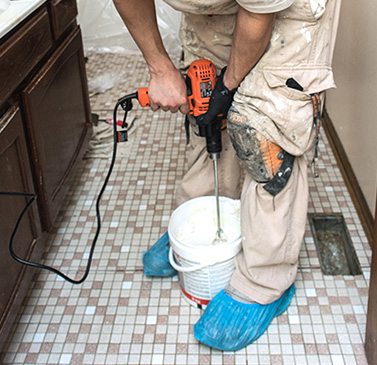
(200, 81)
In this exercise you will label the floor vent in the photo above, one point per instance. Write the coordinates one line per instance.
(335, 250)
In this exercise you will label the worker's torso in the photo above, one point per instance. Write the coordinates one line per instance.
(301, 47)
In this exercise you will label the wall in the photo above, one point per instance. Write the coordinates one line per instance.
(104, 31)
(352, 107)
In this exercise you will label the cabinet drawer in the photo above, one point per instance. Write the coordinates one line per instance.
(22, 52)
(63, 13)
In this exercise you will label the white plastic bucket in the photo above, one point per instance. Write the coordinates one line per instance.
(204, 268)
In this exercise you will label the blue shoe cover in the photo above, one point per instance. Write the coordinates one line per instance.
(229, 325)
(156, 259)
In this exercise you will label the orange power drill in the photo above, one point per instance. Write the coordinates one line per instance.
(200, 81)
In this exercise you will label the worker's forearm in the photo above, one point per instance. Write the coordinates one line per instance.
(167, 88)
(139, 17)
(250, 39)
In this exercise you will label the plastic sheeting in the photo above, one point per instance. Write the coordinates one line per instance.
(104, 31)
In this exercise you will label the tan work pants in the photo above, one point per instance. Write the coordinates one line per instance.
(199, 178)
(272, 230)
(272, 227)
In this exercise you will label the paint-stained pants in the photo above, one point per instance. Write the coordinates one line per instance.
(199, 178)
(272, 226)
(272, 220)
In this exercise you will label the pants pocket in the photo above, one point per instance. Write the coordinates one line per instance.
(265, 161)
(280, 180)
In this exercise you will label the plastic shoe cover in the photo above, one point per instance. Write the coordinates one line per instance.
(156, 259)
(230, 325)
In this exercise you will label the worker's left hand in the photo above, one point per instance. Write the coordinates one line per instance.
(219, 104)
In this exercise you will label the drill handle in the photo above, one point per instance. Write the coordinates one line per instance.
(143, 97)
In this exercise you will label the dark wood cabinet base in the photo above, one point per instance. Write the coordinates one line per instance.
(45, 126)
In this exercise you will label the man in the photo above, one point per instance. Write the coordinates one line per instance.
(278, 57)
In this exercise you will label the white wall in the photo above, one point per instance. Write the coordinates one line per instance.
(104, 31)
(353, 105)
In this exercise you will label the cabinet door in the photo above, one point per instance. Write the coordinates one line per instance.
(15, 176)
(57, 112)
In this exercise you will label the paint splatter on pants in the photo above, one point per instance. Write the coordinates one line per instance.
(273, 210)
(272, 123)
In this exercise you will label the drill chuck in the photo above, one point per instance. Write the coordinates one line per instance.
(214, 146)
(212, 134)
(214, 156)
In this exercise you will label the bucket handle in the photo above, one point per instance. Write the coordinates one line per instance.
(182, 268)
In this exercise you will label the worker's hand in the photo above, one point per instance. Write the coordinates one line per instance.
(219, 104)
(167, 90)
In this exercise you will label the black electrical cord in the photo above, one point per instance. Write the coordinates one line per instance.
(126, 103)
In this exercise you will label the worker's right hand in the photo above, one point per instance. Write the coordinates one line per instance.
(167, 90)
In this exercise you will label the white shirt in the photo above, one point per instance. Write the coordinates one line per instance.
(222, 7)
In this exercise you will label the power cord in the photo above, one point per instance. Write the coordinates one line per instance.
(119, 136)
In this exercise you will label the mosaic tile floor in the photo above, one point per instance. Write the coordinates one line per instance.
(118, 315)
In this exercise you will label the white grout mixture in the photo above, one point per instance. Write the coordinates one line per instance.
(200, 227)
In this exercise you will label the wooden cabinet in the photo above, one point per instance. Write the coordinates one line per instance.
(16, 176)
(58, 123)
(20, 53)
(45, 125)
(63, 13)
